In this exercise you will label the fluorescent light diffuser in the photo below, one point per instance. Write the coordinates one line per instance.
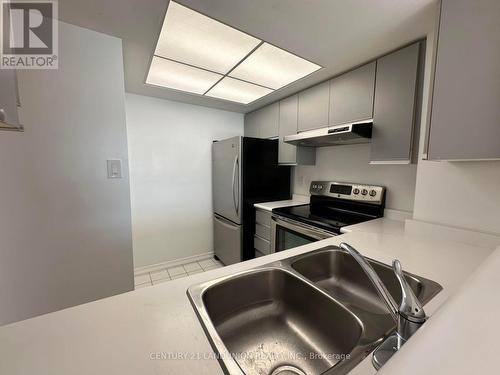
(198, 54)
(192, 38)
(237, 91)
(273, 67)
(178, 76)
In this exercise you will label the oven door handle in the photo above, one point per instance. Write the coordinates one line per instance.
(306, 230)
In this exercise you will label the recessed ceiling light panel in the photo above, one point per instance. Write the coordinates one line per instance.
(179, 76)
(273, 67)
(200, 55)
(192, 38)
(237, 91)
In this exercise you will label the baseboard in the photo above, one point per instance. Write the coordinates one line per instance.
(173, 263)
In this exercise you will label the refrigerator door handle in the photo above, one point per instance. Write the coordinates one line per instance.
(238, 186)
(236, 203)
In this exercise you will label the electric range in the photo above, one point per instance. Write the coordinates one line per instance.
(333, 205)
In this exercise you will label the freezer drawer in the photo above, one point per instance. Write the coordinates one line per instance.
(227, 240)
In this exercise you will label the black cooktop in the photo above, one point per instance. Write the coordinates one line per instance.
(335, 205)
(327, 218)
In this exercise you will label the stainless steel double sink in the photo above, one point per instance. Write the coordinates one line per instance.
(316, 313)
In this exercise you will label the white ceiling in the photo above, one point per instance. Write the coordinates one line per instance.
(336, 34)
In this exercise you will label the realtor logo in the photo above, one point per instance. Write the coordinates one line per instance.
(29, 35)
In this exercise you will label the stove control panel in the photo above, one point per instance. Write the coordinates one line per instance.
(342, 190)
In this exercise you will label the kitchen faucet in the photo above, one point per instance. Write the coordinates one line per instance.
(409, 315)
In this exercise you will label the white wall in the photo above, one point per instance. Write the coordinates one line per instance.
(171, 177)
(459, 194)
(350, 163)
(65, 231)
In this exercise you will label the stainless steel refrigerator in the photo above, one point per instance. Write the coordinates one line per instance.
(244, 171)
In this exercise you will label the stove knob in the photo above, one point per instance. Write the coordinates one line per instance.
(373, 193)
(356, 191)
(364, 191)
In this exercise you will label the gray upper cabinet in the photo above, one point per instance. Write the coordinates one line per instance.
(288, 120)
(394, 106)
(251, 125)
(263, 123)
(314, 106)
(288, 126)
(387, 90)
(351, 95)
(465, 121)
(269, 121)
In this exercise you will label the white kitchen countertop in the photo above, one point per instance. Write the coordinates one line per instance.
(296, 200)
(380, 226)
(392, 223)
(121, 334)
(462, 337)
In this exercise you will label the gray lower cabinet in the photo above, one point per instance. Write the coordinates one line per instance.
(465, 121)
(314, 105)
(263, 231)
(351, 95)
(261, 245)
(394, 106)
(263, 123)
(258, 254)
(263, 217)
(289, 154)
(261, 240)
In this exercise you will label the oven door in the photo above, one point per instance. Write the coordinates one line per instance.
(287, 234)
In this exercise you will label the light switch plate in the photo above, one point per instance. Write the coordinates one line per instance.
(114, 168)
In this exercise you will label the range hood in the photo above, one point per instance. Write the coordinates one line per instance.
(350, 133)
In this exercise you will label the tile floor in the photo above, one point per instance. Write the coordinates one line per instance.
(167, 274)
